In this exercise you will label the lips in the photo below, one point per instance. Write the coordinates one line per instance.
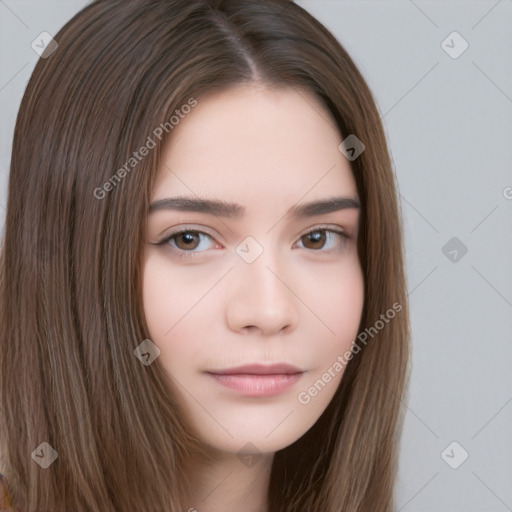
(258, 380)
(259, 369)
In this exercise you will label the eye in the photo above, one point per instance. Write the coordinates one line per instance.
(184, 241)
(189, 243)
(318, 236)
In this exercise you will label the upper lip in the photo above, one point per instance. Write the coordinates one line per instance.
(259, 369)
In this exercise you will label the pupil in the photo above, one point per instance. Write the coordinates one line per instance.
(316, 236)
(187, 238)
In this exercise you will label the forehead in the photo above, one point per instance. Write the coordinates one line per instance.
(255, 145)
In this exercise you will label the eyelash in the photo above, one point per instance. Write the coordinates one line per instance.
(188, 255)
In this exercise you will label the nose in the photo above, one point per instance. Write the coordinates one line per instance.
(261, 298)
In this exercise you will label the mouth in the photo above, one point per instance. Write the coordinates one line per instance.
(258, 380)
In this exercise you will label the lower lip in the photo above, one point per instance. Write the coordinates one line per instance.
(258, 385)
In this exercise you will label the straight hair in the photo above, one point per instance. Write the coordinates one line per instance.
(70, 271)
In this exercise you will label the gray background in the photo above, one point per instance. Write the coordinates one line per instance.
(449, 126)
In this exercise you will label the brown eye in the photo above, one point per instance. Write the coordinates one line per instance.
(186, 240)
(187, 243)
(317, 239)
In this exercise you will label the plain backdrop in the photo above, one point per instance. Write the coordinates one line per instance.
(441, 74)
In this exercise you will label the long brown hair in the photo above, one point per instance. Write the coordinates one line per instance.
(71, 303)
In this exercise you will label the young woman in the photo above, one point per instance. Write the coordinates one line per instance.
(203, 299)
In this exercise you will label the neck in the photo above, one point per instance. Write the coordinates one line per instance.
(228, 483)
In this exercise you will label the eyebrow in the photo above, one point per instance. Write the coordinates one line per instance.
(221, 208)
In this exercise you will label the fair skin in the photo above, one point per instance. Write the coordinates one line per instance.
(298, 302)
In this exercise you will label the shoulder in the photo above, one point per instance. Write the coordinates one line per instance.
(5, 496)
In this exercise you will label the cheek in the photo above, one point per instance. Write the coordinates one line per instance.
(157, 298)
(335, 295)
(339, 304)
(172, 301)
(344, 303)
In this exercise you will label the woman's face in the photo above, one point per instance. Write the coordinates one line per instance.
(247, 285)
